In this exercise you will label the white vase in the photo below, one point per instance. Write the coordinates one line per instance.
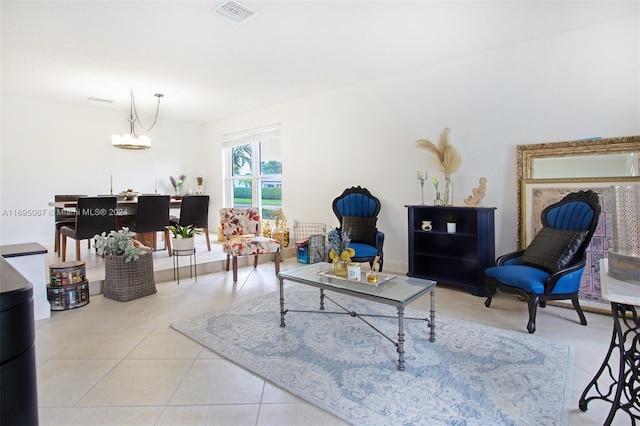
(183, 243)
(451, 227)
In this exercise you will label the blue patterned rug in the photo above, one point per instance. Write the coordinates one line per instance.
(471, 374)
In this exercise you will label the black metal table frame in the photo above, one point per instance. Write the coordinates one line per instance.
(176, 267)
(399, 344)
(626, 383)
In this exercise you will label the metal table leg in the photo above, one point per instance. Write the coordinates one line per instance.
(400, 338)
(609, 386)
(282, 311)
(432, 322)
(193, 263)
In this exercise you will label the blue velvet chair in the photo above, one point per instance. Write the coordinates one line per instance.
(550, 268)
(357, 211)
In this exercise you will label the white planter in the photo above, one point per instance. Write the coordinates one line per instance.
(182, 243)
(451, 227)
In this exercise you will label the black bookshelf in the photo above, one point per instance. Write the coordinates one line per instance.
(456, 259)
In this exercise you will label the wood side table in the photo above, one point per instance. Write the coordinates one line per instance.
(618, 379)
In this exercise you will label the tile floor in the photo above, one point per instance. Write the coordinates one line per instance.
(119, 363)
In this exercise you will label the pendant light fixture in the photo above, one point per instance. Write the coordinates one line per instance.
(132, 140)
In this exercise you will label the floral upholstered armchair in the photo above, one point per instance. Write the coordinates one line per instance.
(243, 237)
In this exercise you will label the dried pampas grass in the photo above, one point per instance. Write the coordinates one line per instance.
(447, 155)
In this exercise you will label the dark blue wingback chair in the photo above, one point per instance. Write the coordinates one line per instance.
(550, 268)
(357, 211)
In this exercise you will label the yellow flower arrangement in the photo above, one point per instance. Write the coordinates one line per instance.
(339, 243)
(346, 255)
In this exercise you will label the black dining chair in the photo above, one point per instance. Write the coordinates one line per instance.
(62, 216)
(94, 215)
(152, 216)
(194, 210)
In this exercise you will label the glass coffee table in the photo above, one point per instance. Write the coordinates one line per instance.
(398, 291)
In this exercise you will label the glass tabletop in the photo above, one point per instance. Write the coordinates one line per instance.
(399, 290)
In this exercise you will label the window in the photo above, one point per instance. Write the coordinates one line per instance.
(253, 170)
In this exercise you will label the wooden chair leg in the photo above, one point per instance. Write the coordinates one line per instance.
(59, 243)
(227, 266)
(576, 306)
(56, 242)
(235, 269)
(255, 261)
(532, 301)
(206, 234)
(491, 290)
(167, 242)
(64, 248)
(78, 249)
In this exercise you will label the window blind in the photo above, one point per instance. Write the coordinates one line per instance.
(250, 136)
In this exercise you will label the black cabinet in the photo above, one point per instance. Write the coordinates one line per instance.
(457, 259)
(18, 382)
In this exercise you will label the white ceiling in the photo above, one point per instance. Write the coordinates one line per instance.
(209, 67)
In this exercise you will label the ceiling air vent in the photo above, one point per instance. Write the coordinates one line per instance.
(234, 11)
(95, 99)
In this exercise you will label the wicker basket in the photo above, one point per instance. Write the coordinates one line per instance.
(126, 281)
(314, 250)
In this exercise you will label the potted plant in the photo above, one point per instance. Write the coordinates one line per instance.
(182, 236)
(118, 243)
(178, 184)
(451, 222)
(128, 265)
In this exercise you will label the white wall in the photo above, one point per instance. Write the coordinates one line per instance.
(50, 148)
(579, 84)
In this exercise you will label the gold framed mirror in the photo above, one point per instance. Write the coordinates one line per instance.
(607, 160)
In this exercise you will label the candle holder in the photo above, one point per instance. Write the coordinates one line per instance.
(422, 176)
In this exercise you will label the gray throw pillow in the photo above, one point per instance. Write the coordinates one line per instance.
(360, 229)
(553, 249)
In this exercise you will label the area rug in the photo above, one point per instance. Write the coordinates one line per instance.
(471, 374)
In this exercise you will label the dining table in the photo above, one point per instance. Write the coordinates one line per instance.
(125, 212)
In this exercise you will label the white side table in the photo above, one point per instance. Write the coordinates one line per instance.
(618, 379)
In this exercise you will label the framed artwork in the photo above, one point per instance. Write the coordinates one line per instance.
(595, 159)
(539, 193)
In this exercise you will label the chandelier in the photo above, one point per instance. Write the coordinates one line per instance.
(132, 140)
